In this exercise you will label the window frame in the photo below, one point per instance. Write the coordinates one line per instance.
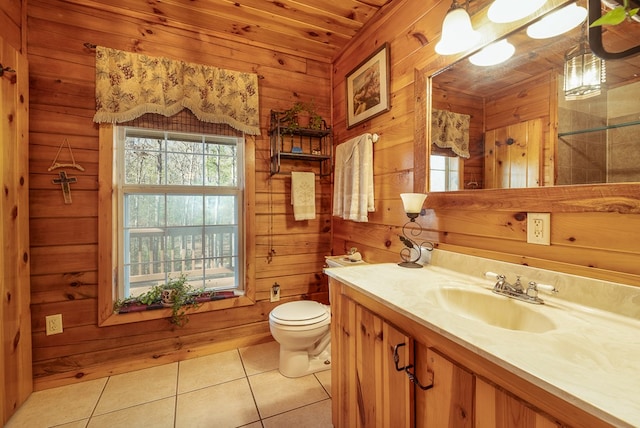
(108, 212)
(447, 172)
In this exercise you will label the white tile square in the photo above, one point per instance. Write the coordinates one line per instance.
(260, 358)
(324, 377)
(276, 394)
(317, 415)
(209, 370)
(138, 387)
(56, 406)
(225, 405)
(156, 414)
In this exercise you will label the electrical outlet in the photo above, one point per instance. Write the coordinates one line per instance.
(275, 292)
(539, 228)
(53, 324)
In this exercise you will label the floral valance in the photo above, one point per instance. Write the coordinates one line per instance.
(129, 85)
(450, 131)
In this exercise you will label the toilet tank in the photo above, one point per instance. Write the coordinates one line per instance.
(341, 261)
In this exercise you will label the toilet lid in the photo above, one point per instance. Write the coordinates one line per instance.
(303, 312)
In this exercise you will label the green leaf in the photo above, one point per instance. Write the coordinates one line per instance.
(613, 17)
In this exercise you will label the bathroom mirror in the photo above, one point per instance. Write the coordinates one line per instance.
(513, 109)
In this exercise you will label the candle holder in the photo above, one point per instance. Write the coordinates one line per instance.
(412, 251)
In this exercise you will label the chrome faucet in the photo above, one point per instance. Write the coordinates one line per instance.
(517, 291)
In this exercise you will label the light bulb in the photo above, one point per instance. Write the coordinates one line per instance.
(558, 22)
(457, 33)
(503, 11)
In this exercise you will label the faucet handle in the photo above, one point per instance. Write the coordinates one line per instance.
(546, 287)
(494, 276)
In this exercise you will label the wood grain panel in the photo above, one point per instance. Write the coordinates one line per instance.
(490, 222)
(497, 409)
(65, 237)
(15, 317)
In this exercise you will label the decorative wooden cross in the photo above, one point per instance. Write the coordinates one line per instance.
(64, 181)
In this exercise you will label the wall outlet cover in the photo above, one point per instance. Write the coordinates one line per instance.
(53, 324)
(539, 228)
(275, 293)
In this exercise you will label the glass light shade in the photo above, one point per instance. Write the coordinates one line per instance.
(584, 73)
(503, 11)
(457, 33)
(558, 22)
(412, 202)
(493, 54)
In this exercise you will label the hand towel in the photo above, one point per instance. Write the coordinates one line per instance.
(353, 195)
(303, 195)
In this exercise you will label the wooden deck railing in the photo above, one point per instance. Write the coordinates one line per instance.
(208, 257)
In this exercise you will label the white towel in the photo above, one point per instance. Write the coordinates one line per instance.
(303, 195)
(353, 179)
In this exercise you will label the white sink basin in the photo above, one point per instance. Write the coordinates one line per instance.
(492, 309)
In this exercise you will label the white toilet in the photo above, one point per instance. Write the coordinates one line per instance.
(303, 330)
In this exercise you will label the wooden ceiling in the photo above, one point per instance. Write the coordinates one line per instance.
(317, 29)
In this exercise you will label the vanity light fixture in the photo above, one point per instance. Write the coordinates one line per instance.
(412, 251)
(558, 22)
(493, 54)
(584, 72)
(457, 33)
(503, 11)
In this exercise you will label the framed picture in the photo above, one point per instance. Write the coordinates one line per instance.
(368, 87)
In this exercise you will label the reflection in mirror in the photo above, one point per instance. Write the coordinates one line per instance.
(511, 126)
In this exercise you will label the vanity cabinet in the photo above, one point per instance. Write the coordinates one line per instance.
(495, 408)
(369, 391)
(450, 402)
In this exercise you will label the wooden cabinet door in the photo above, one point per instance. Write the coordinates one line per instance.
(449, 403)
(498, 409)
(367, 390)
(343, 361)
(383, 394)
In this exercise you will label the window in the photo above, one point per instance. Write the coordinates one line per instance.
(181, 199)
(445, 173)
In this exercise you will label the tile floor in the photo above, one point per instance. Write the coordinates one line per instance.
(239, 388)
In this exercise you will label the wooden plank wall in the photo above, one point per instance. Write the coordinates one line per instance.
(15, 319)
(64, 237)
(595, 231)
(458, 102)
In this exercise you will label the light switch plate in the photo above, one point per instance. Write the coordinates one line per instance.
(539, 228)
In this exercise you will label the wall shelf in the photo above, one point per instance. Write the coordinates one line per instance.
(304, 144)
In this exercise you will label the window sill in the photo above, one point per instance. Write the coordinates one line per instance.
(158, 313)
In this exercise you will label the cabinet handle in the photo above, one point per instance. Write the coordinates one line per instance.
(396, 357)
(407, 369)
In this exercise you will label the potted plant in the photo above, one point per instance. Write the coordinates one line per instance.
(176, 294)
(302, 115)
(617, 15)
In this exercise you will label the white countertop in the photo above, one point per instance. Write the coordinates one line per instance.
(591, 358)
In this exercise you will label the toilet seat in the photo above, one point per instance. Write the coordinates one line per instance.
(300, 313)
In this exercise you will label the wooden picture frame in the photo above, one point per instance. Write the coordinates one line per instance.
(368, 87)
